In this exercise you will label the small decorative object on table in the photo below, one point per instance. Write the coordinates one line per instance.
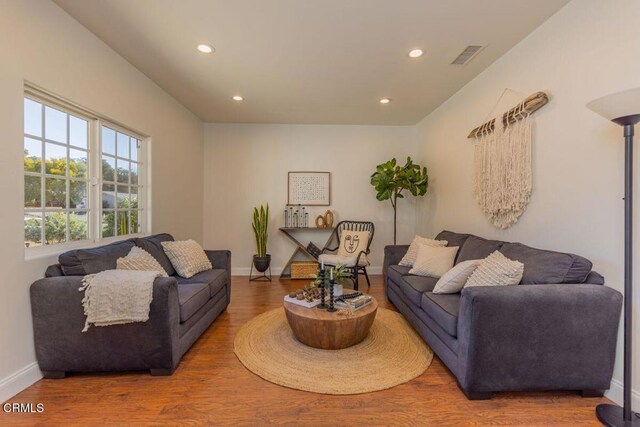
(321, 286)
(341, 276)
(307, 297)
(325, 221)
(331, 296)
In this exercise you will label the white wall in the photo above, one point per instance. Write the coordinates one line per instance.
(40, 43)
(246, 165)
(587, 50)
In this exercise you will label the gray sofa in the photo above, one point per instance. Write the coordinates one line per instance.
(557, 330)
(181, 310)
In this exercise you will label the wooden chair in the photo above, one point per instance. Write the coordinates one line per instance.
(359, 266)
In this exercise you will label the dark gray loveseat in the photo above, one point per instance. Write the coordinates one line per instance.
(557, 330)
(181, 310)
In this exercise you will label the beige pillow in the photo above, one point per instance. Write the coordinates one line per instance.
(410, 257)
(140, 260)
(352, 242)
(496, 270)
(453, 280)
(434, 261)
(187, 257)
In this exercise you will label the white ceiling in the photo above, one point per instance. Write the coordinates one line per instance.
(310, 61)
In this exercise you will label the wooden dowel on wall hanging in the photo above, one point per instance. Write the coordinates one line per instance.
(531, 104)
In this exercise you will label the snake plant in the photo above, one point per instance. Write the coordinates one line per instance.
(260, 224)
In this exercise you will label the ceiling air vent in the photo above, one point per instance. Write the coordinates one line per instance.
(467, 55)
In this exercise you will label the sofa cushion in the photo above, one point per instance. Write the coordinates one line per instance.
(443, 309)
(434, 261)
(192, 297)
(414, 286)
(187, 257)
(153, 245)
(54, 270)
(477, 248)
(396, 272)
(594, 278)
(215, 278)
(80, 262)
(453, 239)
(542, 266)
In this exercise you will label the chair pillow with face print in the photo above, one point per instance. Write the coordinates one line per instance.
(352, 243)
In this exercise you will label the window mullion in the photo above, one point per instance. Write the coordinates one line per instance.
(96, 181)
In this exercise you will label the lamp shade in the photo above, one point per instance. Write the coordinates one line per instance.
(621, 107)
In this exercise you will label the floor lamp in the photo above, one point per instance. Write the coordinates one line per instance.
(623, 108)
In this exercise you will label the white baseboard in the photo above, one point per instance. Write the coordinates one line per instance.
(18, 381)
(276, 271)
(615, 393)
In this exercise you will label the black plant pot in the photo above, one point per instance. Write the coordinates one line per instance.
(262, 262)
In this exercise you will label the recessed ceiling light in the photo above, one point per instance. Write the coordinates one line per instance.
(416, 53)
(237, 98)
(205, 48)
(385, 100)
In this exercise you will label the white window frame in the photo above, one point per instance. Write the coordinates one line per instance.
(94, 170)
(143, 179)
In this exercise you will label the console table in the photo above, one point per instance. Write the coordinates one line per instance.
(291, 233)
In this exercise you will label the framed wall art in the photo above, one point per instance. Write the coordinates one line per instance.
(309, 188)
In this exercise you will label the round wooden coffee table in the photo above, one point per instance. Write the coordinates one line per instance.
(318, 328)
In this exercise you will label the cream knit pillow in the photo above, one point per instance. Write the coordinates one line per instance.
(410, 257)
(187, 257)
(434, 261)
(453, 280)
(496, 270)
(140, 260)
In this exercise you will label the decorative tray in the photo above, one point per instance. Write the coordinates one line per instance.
(303, 303)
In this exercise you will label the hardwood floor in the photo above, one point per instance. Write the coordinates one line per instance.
(210, 387)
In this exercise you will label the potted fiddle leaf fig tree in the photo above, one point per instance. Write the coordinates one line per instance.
(261, 259)
(391, 179)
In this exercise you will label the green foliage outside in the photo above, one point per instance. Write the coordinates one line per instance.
(55, 228)
(390, 180)
(55, 223)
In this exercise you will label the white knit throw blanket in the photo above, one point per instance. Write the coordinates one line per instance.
(503, 171)
(114, 297)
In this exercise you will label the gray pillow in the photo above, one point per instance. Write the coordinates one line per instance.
(542, 266)
(81, 262)
(453, 239)
(478, 248)
(153, 245)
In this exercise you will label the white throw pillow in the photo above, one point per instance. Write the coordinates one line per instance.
(410, 257)
(352, 243)
(453, 280)
(187, 257)
(496, 270)
(434, 261)
(140, 260)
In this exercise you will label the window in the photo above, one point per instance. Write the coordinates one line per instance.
(121, 186)
(68, 166)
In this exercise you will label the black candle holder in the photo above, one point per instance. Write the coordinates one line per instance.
(331, 297)
(322, 290)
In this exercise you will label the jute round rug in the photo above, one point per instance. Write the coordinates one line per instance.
(392, 354)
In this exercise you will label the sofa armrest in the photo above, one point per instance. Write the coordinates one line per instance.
(393, 254)
(58, 320)
(538, 337)
(222, 259)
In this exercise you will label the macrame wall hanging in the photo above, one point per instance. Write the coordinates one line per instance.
(503, 162)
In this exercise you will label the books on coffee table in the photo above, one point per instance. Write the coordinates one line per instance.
(355, 303)
(302, 302)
